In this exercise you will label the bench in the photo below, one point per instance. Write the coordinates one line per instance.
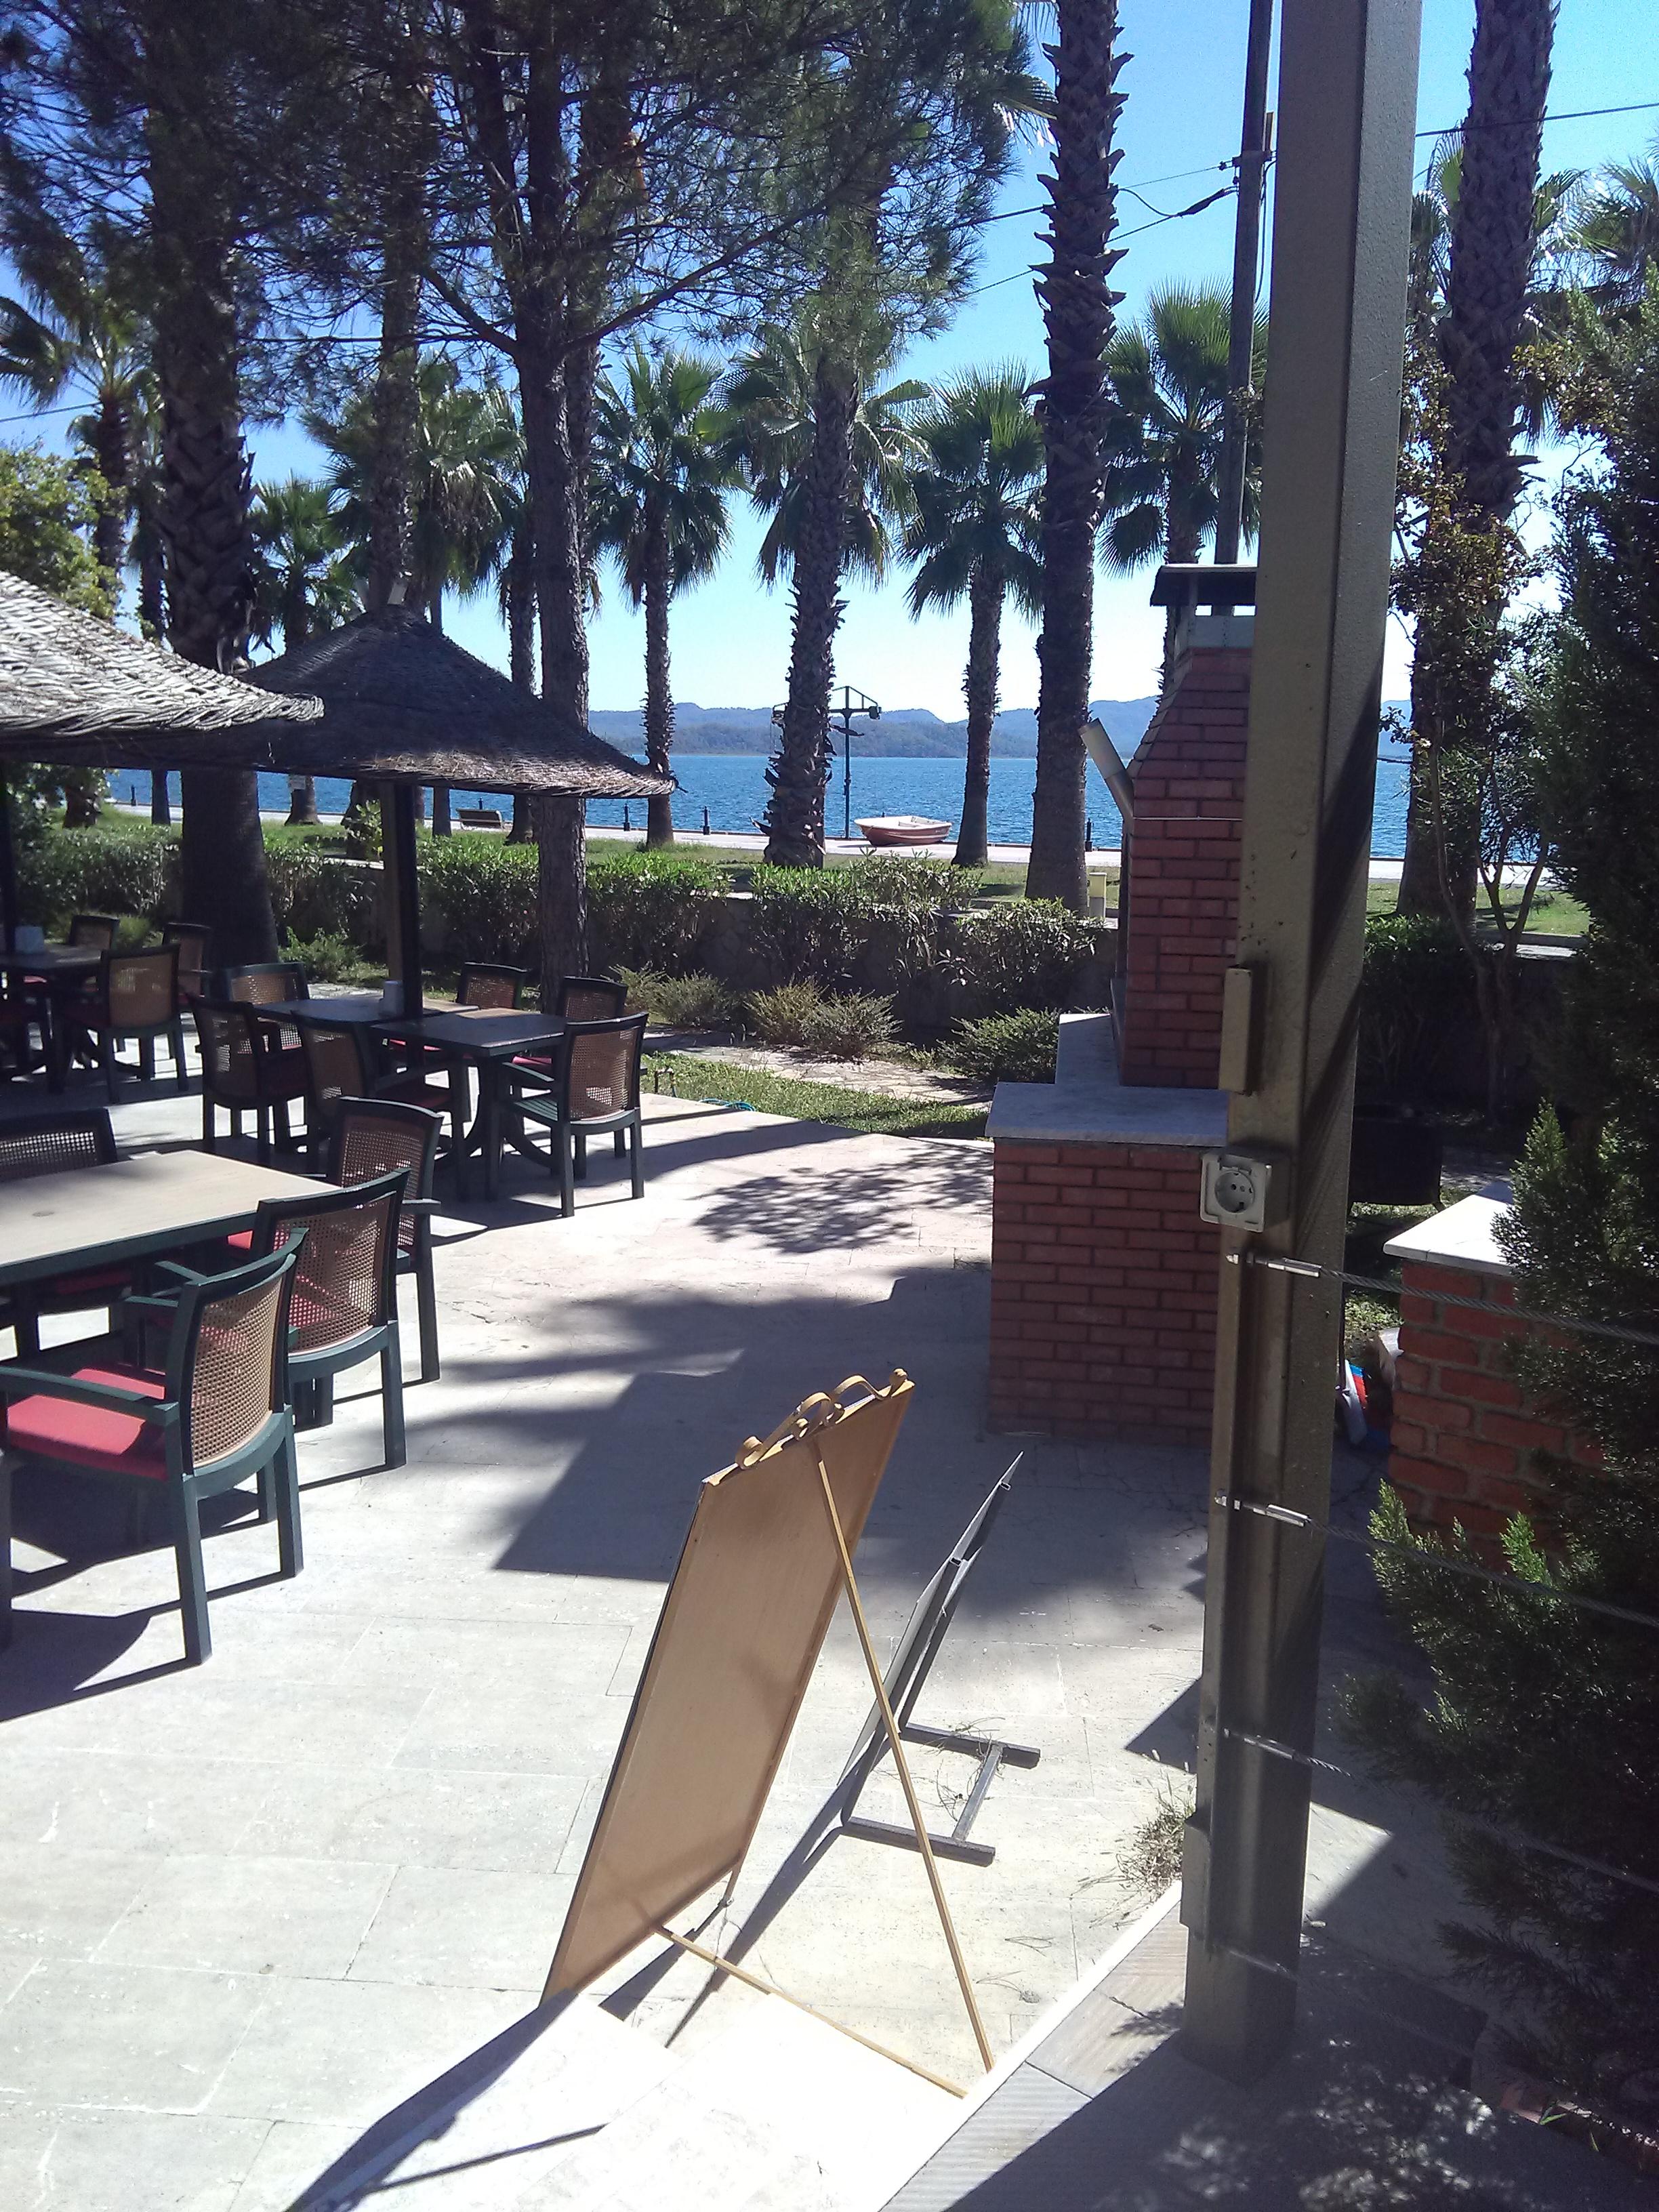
(479, 818)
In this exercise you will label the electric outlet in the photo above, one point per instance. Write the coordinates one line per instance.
(1235, 1191)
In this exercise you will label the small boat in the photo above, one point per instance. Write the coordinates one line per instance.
(903, 829)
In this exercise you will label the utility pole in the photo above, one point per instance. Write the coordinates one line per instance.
(1253, 149)
(1341, 218)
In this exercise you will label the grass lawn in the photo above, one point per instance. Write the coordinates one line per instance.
(870, 1111)
(1554, 914)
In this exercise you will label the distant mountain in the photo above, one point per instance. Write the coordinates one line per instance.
(902, 732)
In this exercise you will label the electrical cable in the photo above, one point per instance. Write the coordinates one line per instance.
(1035, 268)
(1560, 115)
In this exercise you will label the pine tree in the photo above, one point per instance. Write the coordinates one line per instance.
(1544, 1718)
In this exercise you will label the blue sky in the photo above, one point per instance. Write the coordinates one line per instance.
(731, 636)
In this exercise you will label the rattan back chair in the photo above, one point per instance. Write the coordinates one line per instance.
(372, 1137)
(242, 1072)
(193, 940)
(264, 983)
(213, 1412)
(24, 1012)
(591, 998)
(54, 1144)
(137, 996)
(488, 983)
(595, 1090)
(96, 930)
(345, 1307)
(343, 1063)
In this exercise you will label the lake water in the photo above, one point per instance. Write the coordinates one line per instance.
(733, 789)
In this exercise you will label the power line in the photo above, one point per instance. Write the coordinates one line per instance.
(1197, 208)
(1524, 122)
(1174, 177)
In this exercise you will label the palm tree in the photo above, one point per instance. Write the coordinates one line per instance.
(1168, 375)
(1615, 233)
(974, 530)
(825, 452)
(658, 506)
(302, 582)
(1075, 289)
(74, 334)
(464, 470)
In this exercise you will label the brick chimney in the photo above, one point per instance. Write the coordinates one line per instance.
(1183, 859)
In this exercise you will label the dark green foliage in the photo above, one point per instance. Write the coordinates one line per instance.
(313, 894)
(1006, 1047)
(648, 910)
(1415, 996)
(132, 871)
(780, 1017)
(485, 892)
(1544, 1718)
(1021, 953)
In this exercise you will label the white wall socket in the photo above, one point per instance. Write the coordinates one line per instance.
(1235, 1191)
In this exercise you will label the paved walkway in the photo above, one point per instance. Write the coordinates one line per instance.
(249, 1908)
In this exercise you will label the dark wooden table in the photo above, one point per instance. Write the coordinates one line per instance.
(486, 1039)
(54, 1224)
(62, 971)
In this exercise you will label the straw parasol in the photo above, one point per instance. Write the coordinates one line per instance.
(76, 691)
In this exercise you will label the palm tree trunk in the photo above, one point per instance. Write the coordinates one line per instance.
(659, 688)
(205, 469)
(112, 450)
(440, 821)
(798, 771)
(302, 802)
(1493, 241)
(1076, 310)
(980, 690)
(161, 806)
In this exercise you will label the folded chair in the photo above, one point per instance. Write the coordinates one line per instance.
(192, 939)
(52, 1144)
(595, 1090)
(212, 1413)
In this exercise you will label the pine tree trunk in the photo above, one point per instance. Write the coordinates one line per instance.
(658, 687)
(403, 245)
(1077, 310)
(521, 654)
(205, 471)
(801, 767)
(112, 450)
(980, 690)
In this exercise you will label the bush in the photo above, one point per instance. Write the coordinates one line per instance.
(130, 871)
(1020, 953)
(680, 1002)
(315, 894)
(807, 923)
(485, 892)
(649, 910)
(1416, 997)
(780, 1017)
(1006, 1047)
(326, 957)
(848, 1027)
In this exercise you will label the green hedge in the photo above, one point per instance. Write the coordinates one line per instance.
(1416, 999)
(315, 894)
(485, 893)
(132, 871)
(1020, 953)
(648, 910)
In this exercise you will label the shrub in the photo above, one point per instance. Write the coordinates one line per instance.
(326, 957)
(1416, 996)
(313, 894)
(132, 870)
(807, 923)
(848, 1027)
(1019, 953)
(680, 1002)
(485, 892)
(649, 910)
(1006, 1047)
(780, 1017)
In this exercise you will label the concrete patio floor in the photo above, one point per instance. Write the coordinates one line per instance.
(252, 1908)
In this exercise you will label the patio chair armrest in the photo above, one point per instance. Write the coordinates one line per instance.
(183, 1275)
(425, 1209)
(41, 1382)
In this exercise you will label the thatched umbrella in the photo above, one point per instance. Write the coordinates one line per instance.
(78, 692)
(403, 705)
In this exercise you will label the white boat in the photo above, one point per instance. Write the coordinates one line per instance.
(903, 829)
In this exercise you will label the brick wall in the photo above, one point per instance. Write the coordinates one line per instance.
(1102, 1293)
(1183, 873)
(1464, 1432)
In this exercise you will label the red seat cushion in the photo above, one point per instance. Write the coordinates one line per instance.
(241, 1240)
(92, 1436)
(95, 1281)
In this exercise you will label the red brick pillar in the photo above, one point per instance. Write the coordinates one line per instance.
(1189, 776)
(1102, 1293)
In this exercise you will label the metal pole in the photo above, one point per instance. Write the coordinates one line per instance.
(1347, 96)
(8, 867)
(1247, 240)
(846, 764)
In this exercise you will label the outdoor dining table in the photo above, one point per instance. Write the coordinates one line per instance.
(64, 969)
(131, 1209)
(487, 1038)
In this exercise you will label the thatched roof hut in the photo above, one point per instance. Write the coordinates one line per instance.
(403, 703)
(74, 688)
